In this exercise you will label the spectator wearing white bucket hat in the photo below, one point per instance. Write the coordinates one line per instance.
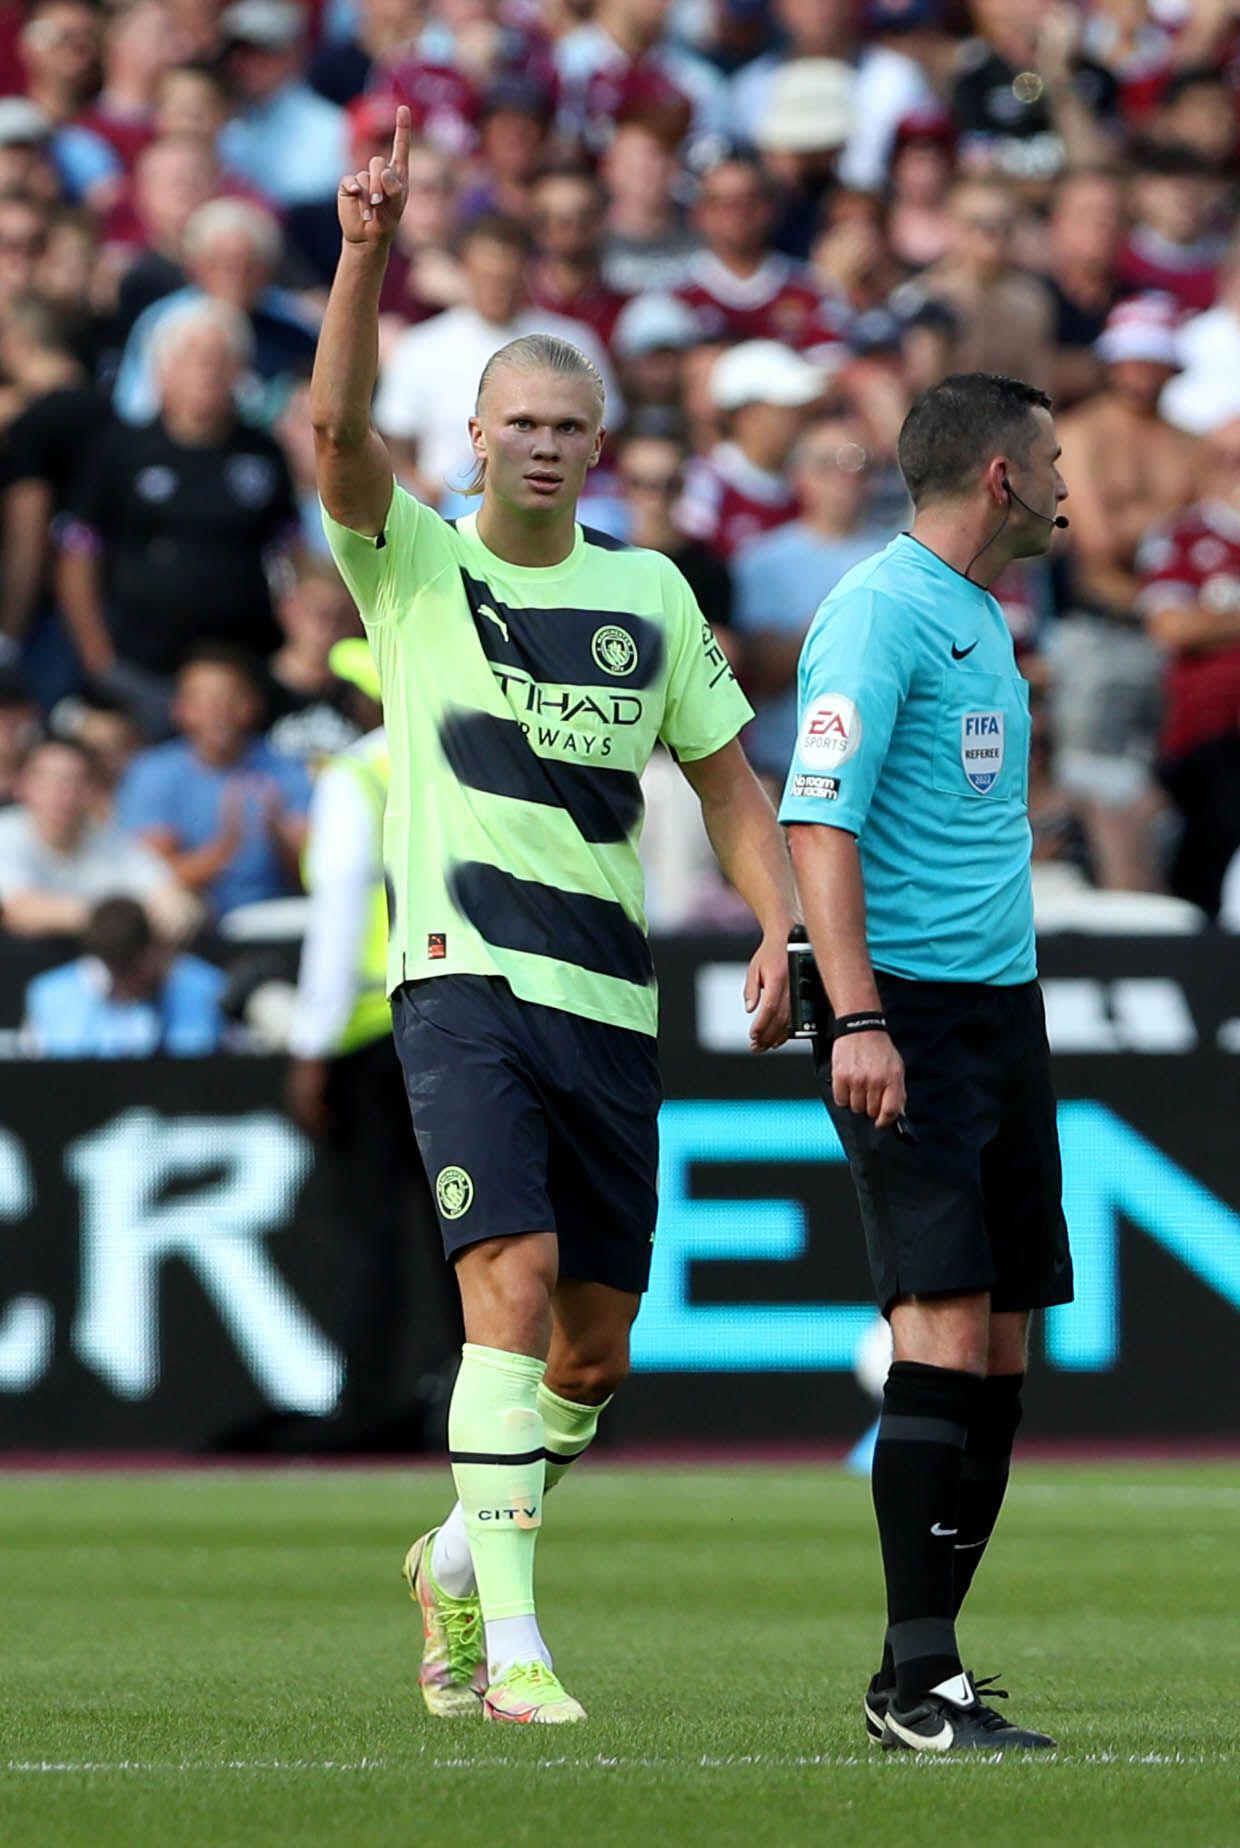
(763, 392)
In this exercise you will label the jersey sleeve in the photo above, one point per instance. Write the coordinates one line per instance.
(1166, 570)
(854, 675)
(384, 574)
(704, 708)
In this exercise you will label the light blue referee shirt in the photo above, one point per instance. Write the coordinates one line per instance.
(913, 735)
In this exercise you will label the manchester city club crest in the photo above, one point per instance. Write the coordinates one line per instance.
(454, 1191)
(614, 650)
(981, 748)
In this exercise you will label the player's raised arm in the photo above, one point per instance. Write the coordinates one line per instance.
(354, 467)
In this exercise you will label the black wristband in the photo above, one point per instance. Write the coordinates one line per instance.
(858, 1023)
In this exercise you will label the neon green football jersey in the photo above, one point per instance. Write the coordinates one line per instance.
(522, 704)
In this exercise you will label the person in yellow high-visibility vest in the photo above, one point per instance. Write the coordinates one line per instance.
(344, 1086)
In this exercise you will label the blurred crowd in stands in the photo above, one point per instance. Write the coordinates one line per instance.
(772, 222)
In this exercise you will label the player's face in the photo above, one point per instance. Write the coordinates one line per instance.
(1036, 478)
(539, 434)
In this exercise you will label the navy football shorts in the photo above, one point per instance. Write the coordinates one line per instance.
(531, 1119)
(968, 1199)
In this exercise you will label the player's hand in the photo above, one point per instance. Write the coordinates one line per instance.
(370, 203)
(766, 994)
(867, 1077)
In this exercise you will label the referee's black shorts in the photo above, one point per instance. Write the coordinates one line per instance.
(969, 1198)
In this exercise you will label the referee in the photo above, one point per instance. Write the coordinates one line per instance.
(907, 819)
(529, 667)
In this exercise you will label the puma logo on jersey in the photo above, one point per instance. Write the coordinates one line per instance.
(484, 609)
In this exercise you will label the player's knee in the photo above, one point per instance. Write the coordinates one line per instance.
(589, 1376)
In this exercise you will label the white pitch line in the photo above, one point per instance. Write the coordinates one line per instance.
(745, 1761)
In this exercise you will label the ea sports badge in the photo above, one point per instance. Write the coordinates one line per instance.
(830, 731)
(981, 748)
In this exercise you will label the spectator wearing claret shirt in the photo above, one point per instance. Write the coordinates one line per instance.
(763, 391)
(1172, 246)
(140, 43)
(738, 287)
(650, 469)
(1190, 599)
(565, 276)
(286, 139)
(782, 577)
(225, 812)
(646, 244)
(621, 61)
(60, 48)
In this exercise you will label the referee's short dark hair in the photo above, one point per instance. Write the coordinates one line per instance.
(956, 426)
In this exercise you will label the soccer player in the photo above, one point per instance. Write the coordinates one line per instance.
(906, 810)
(528, 668)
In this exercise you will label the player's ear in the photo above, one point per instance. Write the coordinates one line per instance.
(477, 439)
(996, 478)
(600, 437)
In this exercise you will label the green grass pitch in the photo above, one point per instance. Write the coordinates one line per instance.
(228, 1658)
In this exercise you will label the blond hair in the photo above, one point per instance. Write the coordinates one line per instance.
(537, 353)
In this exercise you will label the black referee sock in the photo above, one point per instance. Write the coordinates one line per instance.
(927, 1412)
(984, 1471)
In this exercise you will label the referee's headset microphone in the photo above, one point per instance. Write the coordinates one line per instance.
(1052, 519)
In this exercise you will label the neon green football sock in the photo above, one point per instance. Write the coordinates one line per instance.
(569, 1428)
(495, 1440)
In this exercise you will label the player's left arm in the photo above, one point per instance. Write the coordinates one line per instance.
(749, 847)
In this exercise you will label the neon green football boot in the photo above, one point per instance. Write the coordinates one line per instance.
(453, 1675)
(530, 1692)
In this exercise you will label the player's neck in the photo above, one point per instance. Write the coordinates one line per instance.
(960, 539)
(525, 542)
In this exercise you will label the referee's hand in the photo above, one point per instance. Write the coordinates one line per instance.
(867, 1077)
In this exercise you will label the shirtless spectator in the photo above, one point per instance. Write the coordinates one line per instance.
(1190, 599)
(741, 489)
(738, 286)
(58, 859)
(1006, 317)
(1130, 471)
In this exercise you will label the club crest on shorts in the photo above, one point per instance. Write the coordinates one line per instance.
(454, 1191)
(981, 748)
(614, 650)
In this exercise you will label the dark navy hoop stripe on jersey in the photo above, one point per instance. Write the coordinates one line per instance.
(556, 645)
(493, 754)
(561, 1456)
(606, 542)
(488, 1456)
(571, 927)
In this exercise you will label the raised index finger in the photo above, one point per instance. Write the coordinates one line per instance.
(400, 141)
